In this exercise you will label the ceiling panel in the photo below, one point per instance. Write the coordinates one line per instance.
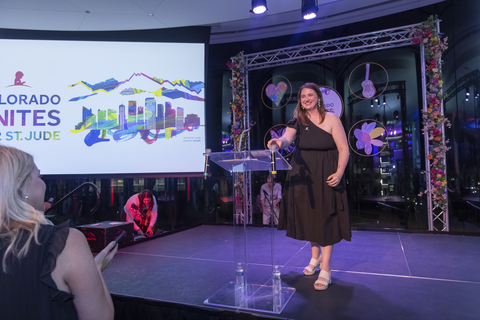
(230, 19)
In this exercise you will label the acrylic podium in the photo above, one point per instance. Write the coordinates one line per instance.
(263, 297)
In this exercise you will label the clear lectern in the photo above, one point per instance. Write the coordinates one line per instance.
(269, 296)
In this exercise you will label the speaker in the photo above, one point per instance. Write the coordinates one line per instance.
(100, 234)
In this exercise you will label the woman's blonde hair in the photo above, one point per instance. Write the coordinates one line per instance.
(300, 113)
(16, 214)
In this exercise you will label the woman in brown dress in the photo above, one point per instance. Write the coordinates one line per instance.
(314, 206)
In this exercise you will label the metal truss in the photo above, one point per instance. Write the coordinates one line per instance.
(361, 43)
(366, 42)
(472, 78)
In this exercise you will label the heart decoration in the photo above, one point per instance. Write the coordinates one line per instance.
(276, 92)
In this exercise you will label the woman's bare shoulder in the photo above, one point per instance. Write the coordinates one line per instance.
(77, 248)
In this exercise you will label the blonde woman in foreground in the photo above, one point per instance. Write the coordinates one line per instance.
(48, 271)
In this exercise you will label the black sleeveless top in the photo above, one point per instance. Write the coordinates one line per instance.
(27, 290)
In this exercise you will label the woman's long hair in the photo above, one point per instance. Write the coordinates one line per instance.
(300, 113)
(145, 194)
(17, 217)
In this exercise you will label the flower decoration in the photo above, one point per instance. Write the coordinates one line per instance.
(238, 93)
(238, 113)
(433, 118)
(366, 137)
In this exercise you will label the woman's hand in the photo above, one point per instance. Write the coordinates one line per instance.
(104, 257)
(149, 231)
(274, 141)
(333, 180)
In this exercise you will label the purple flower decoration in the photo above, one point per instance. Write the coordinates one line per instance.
(366, 137)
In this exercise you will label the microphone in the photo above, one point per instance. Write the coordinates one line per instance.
(252, 123)
(207, 165)
(273, 149)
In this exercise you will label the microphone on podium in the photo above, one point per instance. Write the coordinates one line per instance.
(273, 162)
(207, 165)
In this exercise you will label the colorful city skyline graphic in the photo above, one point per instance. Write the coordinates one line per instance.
(111, 85)
(152, 122)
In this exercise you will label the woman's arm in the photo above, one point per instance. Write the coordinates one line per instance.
(338, 134)
(285, 140)
(83, 277)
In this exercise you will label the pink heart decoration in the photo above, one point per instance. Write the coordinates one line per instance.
(276, 92)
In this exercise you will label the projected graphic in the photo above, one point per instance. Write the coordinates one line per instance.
(146, 122)
(93, 107)
(111, 85)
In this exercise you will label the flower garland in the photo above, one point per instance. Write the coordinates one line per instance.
(238, 104)
(433, 119)
(238, 112)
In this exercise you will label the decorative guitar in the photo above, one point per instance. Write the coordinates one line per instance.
(368, 88)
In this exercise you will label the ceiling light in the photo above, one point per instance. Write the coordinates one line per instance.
(259, 6)
(309, 9)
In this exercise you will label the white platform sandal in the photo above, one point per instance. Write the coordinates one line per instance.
(324, 279)
(308, 271)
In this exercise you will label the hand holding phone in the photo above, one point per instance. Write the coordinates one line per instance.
(120, 237)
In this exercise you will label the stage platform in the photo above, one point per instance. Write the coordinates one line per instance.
(378, 275)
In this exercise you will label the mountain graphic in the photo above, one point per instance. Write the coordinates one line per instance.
(181, 88)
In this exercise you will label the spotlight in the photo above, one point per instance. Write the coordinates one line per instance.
(371, 103)
(259, 6)
(309, 9)
(384, 101)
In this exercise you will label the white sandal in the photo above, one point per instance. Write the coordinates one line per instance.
(308, 271)
(324, 279)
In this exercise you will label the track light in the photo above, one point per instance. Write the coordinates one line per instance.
(309, 9)
(259, 6)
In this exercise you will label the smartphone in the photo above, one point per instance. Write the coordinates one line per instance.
(120, 237)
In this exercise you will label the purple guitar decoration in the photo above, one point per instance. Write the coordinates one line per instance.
(368, 88)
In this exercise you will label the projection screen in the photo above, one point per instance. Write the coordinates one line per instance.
(98, 107)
